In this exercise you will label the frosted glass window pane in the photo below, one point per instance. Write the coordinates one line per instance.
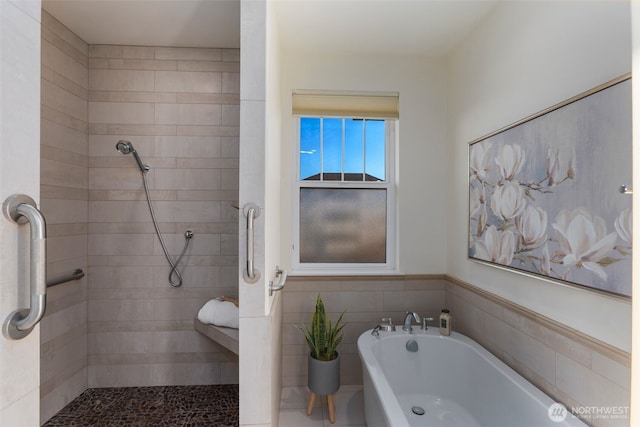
(332, 147)
(343, 225)
(353, 150)
(309, 148)
(375, 155)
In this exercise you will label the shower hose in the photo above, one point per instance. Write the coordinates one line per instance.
(175, 278)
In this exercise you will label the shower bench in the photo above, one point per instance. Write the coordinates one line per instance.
(226, 337)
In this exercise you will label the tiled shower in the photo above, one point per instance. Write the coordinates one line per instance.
(123, 324)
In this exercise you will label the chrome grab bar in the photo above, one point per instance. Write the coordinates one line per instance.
(20, 209)
(251, 274)
(281, 283)
(250, 243)
(76, 274)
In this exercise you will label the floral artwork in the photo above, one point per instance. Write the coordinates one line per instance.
(544, 194)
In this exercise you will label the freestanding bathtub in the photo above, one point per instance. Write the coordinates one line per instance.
(449, 381)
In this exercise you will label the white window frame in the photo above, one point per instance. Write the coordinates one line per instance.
(390, 183)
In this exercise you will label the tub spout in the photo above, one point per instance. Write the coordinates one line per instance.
(408, 319)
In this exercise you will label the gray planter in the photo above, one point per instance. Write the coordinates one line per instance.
(324, 376)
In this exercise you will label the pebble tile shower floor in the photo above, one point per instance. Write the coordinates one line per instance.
(202, 405)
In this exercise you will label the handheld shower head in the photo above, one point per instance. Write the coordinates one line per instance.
(126, 147)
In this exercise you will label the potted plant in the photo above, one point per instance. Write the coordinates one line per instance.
(323, 338)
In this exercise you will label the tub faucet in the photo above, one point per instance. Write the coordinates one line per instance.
(408, 319)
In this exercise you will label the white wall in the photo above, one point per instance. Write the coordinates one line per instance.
(273, 258)
(260, 316)
(635, 352)
(421, 154)
(273, 149)
(254, 326)
(19, 174)
(525, 57)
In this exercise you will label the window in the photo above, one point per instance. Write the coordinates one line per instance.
(345, 198)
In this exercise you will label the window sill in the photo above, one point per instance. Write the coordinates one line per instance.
(330, 272)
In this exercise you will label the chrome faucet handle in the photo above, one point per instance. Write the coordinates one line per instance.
(425, 319)
(387, 325)
(376, 331)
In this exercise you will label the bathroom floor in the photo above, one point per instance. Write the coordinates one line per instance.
(349, 408)
(203, 405)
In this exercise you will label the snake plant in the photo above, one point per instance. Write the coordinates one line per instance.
(322, 337)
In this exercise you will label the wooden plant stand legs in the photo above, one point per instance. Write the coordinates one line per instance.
(330, 403)
(312, 401)
(332, 411)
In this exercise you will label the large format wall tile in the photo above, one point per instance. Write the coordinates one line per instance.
(572, 368)
(64, 197)
(169, 103)
(121, 80)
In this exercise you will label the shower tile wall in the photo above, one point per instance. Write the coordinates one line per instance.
(180, 109)
(64, 198)
(123, 324)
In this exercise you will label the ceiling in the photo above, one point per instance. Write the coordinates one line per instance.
(184, 23)
(411, 27)
(404, 27)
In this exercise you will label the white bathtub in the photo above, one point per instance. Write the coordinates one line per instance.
(455, 380)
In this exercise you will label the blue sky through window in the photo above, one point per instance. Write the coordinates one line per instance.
(309, 147)
(374, 160)
(331, 145)
(324, 141)
(353, 146)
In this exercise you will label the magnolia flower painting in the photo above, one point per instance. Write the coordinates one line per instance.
(544, 194)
